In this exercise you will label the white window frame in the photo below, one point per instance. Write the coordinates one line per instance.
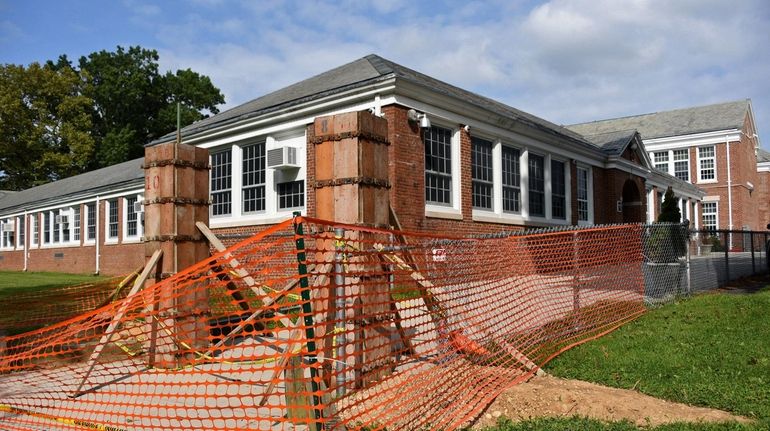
(589, 194)
(234, 163)
(705, 226)
(713, 158)
(669, 164)
(34, 229)
(549, 188)
(87, 239)
(674, 161)
(491, 181)
(6, 243)
(108, 205)
(127, 210)
(452, 210)
(295, 138)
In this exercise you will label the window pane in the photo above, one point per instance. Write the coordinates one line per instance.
(21, 229)
(254, 178)
(661, 160)
(221, 183)
(682, 164)
(536, 185)
(481, 164)
(707, 161)
(291, 194)
(558, 190)
(131, 217)
(710, 215)
(582, 194)
(76, 223)
(438, 165)
(91, 221)
(511, 180)
(113, 218)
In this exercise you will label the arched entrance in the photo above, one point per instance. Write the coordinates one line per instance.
(632, 203)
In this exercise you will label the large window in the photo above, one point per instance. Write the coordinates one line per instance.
(91, 221)
(558, 190)
(710, 215)
(481, 155)
(511, 180)
(438, 165)
(76, 223)
(583, 195)
(660, 158)
(8, 229)
(46, 227)
(682, 164)
(20, 231)
(706, 164)
(113, 222)
(34, 227)
(536, 185)
(221, 183)
(254, 178)
(133, 225)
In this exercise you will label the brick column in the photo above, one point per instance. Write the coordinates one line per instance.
(176, 197)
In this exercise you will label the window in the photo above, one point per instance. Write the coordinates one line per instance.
(481, 155)
(511, 180)
(56, 225)
(132, 225)
(76, 223)
(47, 227)
(8, 228)
(34, 226)
(291, 195)
(682, 164)
(66, 221)
(254, 178)
(558, 190)
(221, 183)
(583, 195)
(661, 160)
(536, 185)
(112, 219)
(438, 165)
(20, 231)
(91, 221)
(710, 215)
(706, 163)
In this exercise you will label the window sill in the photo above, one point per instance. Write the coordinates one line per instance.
(113, 241)
(60, 245)
(707, 182)
(445, 213)
(132, 240)
(490, 217)
(265, 219)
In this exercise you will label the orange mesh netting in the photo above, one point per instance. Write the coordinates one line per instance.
(315, 325)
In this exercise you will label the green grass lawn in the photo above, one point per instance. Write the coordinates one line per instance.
(711, 350)
(14, 281)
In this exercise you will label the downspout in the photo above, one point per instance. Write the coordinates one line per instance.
(729, 195)
(98, 255)
(26, 240)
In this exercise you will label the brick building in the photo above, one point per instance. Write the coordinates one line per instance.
(715, 147)
(457, 162)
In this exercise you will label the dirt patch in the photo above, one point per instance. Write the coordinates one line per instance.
(548, 396)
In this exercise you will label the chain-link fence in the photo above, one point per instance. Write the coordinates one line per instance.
(680, 261)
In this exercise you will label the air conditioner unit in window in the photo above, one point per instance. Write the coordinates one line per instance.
(62, 219)
(139, 207)
(282, 158)
(9, 226)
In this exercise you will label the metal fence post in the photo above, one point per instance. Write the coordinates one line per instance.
(753, 264)
(686, 227)
(727, 258)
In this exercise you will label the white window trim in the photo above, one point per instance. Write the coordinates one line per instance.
(34, 218)
(61, 243)
(700, 171)
(452, 211)
(85, 211)
(272, 214)
(3, 234)
(590, 193)
(716, 214)
(124, 222)
(107, 206)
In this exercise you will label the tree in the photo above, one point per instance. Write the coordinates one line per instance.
(135, 104)
(58, 120)
(45, 125)
(669, 209)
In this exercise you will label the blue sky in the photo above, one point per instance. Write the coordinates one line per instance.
(565, 61)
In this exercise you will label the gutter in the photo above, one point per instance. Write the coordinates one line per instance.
(26, 240)
(96, 240)
(729, 192)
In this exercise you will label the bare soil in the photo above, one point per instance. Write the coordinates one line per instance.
(548, 396)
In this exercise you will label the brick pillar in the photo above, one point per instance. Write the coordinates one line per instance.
(351, 186)
(176, 196)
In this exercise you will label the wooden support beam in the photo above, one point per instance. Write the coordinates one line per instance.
(110, 331)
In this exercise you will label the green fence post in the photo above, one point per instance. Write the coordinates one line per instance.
(307, 311)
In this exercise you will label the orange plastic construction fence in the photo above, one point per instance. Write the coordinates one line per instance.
(316, 325)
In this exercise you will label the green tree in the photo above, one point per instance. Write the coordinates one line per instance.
(135, 104)
(45, 125)
(669, 209)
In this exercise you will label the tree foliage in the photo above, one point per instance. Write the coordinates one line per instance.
(669, 209)
(59, 119)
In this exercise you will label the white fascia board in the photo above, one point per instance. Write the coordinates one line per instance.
(84, 199)
(663, 180)
(763, 167)
(296, 116)
(434, 106)
(695, 140)
(617, 162)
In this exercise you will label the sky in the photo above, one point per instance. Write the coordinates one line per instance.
(566, 61)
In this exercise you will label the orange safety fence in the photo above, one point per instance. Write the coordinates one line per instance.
(25, 310)
(316, 325)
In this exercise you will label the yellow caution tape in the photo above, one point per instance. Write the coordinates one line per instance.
(74, 422)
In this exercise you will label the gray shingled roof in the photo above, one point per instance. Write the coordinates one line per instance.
(612, 143)
(358, 73)
(762, 156)
(108, 178)
(688, 121)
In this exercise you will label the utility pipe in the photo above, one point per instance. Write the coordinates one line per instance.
(26, 240)
(729, 194)
(96, 239)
